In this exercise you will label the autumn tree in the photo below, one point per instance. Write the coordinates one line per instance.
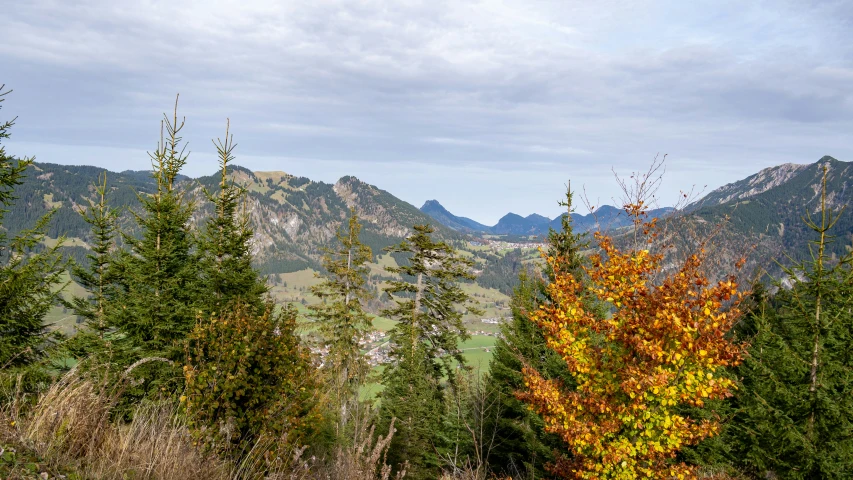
(662, 347)
(794, 413)
(524, 446)
(342, 321)
(430, 304)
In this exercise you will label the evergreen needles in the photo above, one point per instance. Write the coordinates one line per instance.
(794, 412)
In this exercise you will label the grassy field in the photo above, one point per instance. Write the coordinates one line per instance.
(49, 203)
(295, 287)
(383, 324)
(478, 360)
(477, 352)
(492, 302)
(383, 262)
(478, 341)
(60, 319)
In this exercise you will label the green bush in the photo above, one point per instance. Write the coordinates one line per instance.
(248, 377)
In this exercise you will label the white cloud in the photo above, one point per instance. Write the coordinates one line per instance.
(479, 90)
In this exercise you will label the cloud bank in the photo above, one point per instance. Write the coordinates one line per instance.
(489, 106)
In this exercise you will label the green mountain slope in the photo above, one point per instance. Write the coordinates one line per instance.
(293, 217)
(767, 210)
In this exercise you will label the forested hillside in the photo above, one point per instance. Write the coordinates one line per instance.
(767, 210)
(293, 217)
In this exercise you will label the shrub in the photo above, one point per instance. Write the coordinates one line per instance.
(247, 376)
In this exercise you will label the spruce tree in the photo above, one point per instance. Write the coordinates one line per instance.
(157, 280)
(794, 412)
(225, 261)
(97, 277)
(30, 276)
(415, 398)
(341, 318)
(525, 448)
(430, 304)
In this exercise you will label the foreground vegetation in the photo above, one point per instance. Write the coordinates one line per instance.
(624, 363)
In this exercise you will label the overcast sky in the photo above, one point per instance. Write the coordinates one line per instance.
(488, 106)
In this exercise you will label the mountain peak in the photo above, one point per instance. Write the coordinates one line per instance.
(767, 179)
(511, 216)
(440, 214)
(432, 204)
(349, 179)
(535, 217)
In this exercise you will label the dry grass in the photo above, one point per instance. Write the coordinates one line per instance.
(70, 428)
(363, 460)
(155, 445)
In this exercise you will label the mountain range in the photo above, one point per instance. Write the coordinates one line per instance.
(605, 217)
(769, 209)
(294, 217)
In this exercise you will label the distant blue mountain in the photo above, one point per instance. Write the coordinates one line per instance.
(440, 214)
(605, 217)
(512, 224)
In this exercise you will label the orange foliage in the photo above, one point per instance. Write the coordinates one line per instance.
(662, 347)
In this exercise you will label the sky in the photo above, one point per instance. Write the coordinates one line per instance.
(487, 106)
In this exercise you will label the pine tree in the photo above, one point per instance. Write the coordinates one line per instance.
(565, 246)
(342, 321)
(30, 276)
(96, 279)
(429, 307)
(156, 295)
(794, 411)
(225, 245)
(525, 448)
(415, 398)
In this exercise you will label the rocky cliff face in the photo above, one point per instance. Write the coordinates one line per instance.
(753, 185)
(763, 215)
(794, 179)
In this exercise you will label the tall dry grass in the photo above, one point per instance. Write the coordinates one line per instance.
(70, 427)
(365, 459)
